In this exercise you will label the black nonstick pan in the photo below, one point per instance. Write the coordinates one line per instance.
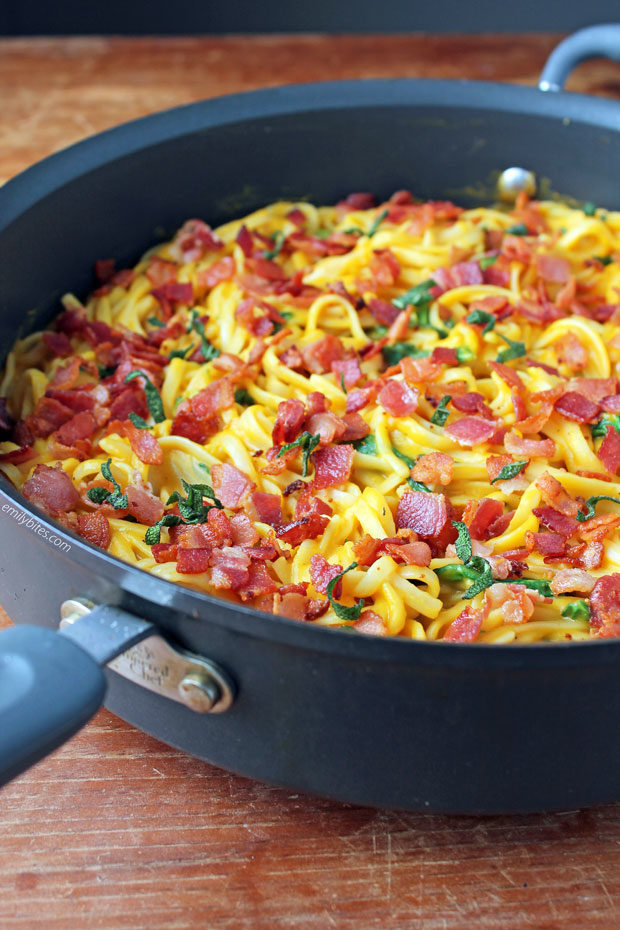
(421, 726)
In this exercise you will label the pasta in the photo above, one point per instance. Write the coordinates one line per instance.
(402, 419)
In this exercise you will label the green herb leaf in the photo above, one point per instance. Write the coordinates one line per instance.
(589, 208)
(464, 354)
(192, 507)
(278, 241)
(519, 229)
(418, 486)
(476, 317)
(377, 222)
(463, 542)
(487, 260)
(114, 498)
(536, 584)
(514, 350)
(153, 400)
(578, 610)
(243, 397)
(456, 572)
(510, 471)
(307, 443)
(342, 384)
(409, 462)
(137, 420)
(208, 350)
(367, 445)
(591, 505)
(180, 353)
(416, 296)
(442, 413)
(608, 419)
(604, 259)
(394, 354)
(153, 534)
(106, 370)
(155, 321)
(484, 580)
(341, 610)
(377, 332)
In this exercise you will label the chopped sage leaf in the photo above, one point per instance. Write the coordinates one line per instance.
(243, 397)
(519, 229)
(409, 462)
(464, 354)
(208, 350)
(578, 610)
(604, 259)
(589, 208)
(153, 400)
(155, 321)
(105, 371)
(307, 444)
(463, 542)
(487, 260)
(514, 350)
(591, 505)
(395, 353)
(477, 317)
(341, 610)
(442, 413)
(114, 498)
(416, 296)
(510, 471)
(278, 241)
(418, 485)
(377, 222)
(153, 534)
(599, 429)
(367, 445)
(137, 420)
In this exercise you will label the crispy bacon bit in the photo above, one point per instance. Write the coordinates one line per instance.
(57, 343)
(594, 388)
(296, 485)
(572, 579)
(471, 431)
(370, 623)
(409, 553)
(216, 397)
(556, 521)
(357, 400)
(230, 484)
(355, 428)
(515, 445)
(605, 606)
(192, 427)
(516, 601)
(554, 494)
(268, 507)
(480, 516)
(434, 468)
(95, 528)
(230, 567)
(332, 465)
(258, 584)
(466, 627)
(143, 505)
(574, 406)
(398, 398)
(495, 463)
(611, 403)
(383, 312)
(222, 270)
(570, 352)
(67, 376)
(321, 573)
(194, 562)
(51, 489)
(458, 275)
(17, 456)
(319, 356)
(609, 451)
(348, 371)
(174, 293)
(472, 402)
(419, 370)
(289, 422)
(194, 239)
(508, 375)
(550, 545)
(552, 268)
(81, 426)
(165, 552)
(428, 515)
(326, 425)
(144, 444)
(444, 356)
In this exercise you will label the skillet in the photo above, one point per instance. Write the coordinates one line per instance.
(420, 726)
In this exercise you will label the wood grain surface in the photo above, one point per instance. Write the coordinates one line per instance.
(118, 831)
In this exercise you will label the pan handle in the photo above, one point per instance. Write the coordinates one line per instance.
(602, 41)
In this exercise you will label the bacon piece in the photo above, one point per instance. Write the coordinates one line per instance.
(550, 545)
(174, 293)
(297, 530)
(222, 270)
(144, 444)
(508, 375)
(419, 370)
(481, 515)
(292, 358)
(466, 627)
(516, 601)
(348, 371)
(371, 624)
(319, 356)
(268, 507)
(605, 606)
(17, 456)
(67, 375)
(515, 445)
(428, 515)
(229, 567)
(495, 463)
(51, 489)
(434, 468)
(326, 425)
(398, 398)
(609, 451)
(593, 388)
(548, 368)
(242, 530)
(194, 562)
(444, 356)
(383, 312)
(197, 429)
(143, 505)
(570, 351)
(132, 400)
(192, 240)
(552, 268)
(332, 466)
(81, 426)
(355, 428)
(216, 397)
(321, 573)
(57, 343)
(357, 400)
(289, 423)
(611, 403)
(554, 494)
(384, 269)
(245, 241)
(472, 402)
(556, 521)
(463, 273)
(471, 431)
(291, 604)
(409, 553)
(597, 528)
(574, 406)
(572, 579)
(230, 484)
(356, 201)
(95, 528)
(164, 552)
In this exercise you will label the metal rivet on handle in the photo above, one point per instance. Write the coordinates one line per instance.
(514, 180)
(200, 691)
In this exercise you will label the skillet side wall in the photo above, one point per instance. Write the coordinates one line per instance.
(484, 735)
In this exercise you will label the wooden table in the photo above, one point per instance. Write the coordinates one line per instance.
(116, 830)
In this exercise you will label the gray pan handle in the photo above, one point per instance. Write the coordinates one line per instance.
(50, 686)
(602, 41)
